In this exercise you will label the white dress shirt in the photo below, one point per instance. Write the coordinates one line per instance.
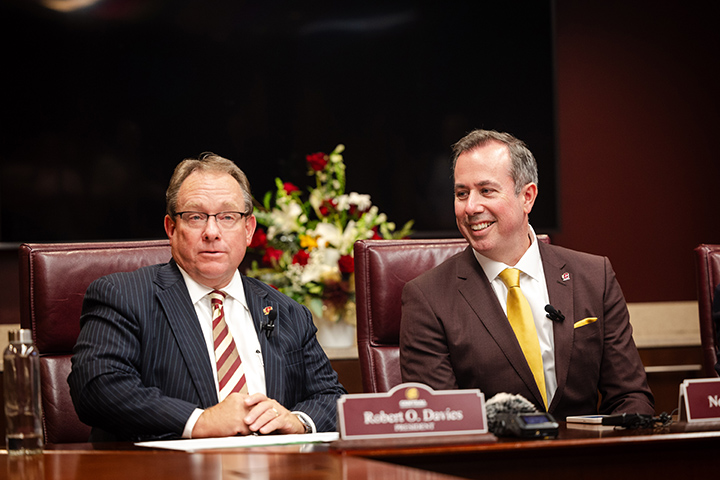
(239, 322)
(534, 287)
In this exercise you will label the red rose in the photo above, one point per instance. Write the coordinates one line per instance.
(272, 255)
(316, 161)
(355, 212)
(301, 257)
(327, 207)
(259, 239)
(346, 264)
(376, 235)
(289, 188)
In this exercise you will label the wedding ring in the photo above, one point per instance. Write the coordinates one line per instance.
(277, 414)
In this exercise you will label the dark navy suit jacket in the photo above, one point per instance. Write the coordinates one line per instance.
(140, 366)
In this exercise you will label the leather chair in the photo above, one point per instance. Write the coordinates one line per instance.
(53, 281)
(707, 262)
(382, 267)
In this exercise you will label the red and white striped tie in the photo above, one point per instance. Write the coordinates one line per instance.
(231, 376)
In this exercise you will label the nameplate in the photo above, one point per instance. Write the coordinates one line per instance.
(700, 400)
(411, 410)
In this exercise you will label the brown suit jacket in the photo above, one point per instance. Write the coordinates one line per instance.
(454, 334)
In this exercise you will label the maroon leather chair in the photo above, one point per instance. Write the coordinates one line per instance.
(53, 281)
(382, 268)
(707, 262)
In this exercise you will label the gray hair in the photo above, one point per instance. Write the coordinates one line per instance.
(206, 162)
(523, 167)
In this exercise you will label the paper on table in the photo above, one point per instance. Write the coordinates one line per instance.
(195, 444)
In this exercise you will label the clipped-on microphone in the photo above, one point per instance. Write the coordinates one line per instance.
(554, 315)
(269, 326)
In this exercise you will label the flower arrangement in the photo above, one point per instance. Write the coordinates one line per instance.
(307, 241)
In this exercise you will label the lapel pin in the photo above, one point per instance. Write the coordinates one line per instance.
(565, 277)
(269, 325)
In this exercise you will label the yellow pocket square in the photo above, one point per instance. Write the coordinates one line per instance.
(584, 321)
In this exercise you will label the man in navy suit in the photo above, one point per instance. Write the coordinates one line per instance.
(455, 331)
(144, 366)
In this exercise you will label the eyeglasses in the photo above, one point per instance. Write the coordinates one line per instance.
(200, 219)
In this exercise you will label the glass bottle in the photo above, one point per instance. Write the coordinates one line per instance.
(24, 433)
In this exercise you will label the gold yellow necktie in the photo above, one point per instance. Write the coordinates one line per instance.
(522, 323)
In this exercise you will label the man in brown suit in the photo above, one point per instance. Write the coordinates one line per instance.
(455, 331)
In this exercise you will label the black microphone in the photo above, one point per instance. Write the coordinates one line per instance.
(503, 405)
(554, 315)
(269, 326)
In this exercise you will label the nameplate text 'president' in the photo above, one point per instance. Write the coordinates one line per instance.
(412, 409)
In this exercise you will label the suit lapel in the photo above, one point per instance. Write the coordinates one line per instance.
(560, 292)
(258, 301)
(477, 291)
(175, 301)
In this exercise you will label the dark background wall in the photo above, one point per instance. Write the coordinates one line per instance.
(638, 122)
(104, 102)
(632, 126)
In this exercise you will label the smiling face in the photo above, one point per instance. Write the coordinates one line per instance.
(211, 254)
(489, 214)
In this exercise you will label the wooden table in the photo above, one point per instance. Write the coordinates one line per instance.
(85, 462)
(679, 451)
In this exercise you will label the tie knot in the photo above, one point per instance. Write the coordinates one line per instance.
(510, 277)
(217, 297)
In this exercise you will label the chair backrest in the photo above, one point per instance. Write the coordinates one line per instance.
(53, 281)
(382, 268)
(707, 261)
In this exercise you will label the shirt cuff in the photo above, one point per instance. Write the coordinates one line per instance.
(190, 424)
(306, 420)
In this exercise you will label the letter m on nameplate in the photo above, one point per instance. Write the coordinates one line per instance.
(702, 399)
(412, 410)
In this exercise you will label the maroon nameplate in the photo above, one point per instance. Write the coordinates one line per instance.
(410, 410)
(700, 399)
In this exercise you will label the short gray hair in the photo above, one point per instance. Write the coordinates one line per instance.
(523, 167)
(206, 162)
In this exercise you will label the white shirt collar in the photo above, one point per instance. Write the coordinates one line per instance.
(198, 291)
(530, 263)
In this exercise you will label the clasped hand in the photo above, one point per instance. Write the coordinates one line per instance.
(241, 414)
